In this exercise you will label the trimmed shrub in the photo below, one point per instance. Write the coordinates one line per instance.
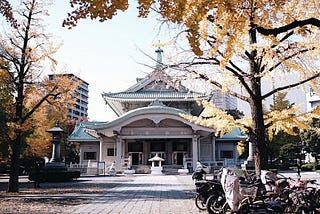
(284, 166)
(307, 167)
(53, 175)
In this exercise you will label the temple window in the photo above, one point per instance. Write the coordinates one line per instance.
(226, 154)
(89, 155)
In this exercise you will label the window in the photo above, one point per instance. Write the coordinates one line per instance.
(89, 156)
(111, 152)
(226, 154)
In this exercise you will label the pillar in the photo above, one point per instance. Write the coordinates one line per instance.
(194, 151)
(213, 140)
(100, 150)
(119, 153)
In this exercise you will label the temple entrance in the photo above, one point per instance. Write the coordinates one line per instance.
(136, 158)
(178, 158)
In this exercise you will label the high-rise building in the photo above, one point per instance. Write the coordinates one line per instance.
(313, 99)
(80, 109)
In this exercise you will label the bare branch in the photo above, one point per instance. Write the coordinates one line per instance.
(290, 57)
(288, 27)
(218, 85)
(290, 86)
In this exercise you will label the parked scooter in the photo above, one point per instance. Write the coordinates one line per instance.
(203, 186)
(200, 172)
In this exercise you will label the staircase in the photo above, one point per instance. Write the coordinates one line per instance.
(142, 169)
(171, 169)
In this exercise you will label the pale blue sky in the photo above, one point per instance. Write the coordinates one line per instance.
(106, 55)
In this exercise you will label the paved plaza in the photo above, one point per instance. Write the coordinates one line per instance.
(161, 194)
(109, 194)
(146, 194)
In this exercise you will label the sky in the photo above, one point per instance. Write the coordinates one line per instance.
(107, 55)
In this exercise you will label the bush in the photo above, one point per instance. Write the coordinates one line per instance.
(307, 167)
(284, 166)
(54, 175)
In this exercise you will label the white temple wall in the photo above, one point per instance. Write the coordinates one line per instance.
(89, 151)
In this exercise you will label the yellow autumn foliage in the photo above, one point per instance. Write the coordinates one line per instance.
(49, 112)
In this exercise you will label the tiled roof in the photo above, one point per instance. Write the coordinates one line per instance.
(234, 134)
(152, 95)
(84, 132)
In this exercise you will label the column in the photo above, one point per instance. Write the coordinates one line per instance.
(146, 152)
(213, 140)
(194, 151)
(100, 150)
(169, 152)
(119, 153)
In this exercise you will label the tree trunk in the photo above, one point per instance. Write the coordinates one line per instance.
(258, 128)
(15, 165)
(16, 147)
(258, 137)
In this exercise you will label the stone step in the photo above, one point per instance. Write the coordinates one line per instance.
(171, 169)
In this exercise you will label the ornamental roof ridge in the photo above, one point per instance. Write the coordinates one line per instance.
(157, 103)
(156, 75)
(153, 95)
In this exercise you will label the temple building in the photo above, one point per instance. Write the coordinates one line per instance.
(150, 123)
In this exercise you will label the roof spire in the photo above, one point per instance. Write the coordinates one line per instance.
(159, 52)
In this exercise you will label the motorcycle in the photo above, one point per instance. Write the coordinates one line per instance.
(200, 172)
(203, 186)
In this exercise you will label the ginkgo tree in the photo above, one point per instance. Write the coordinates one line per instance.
(28, 49)
(243, 43)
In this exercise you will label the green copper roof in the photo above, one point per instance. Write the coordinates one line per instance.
(84, 131)
(152, 95)
(235, 134)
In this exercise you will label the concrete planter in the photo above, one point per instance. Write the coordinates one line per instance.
(183, 171)
(129, 171)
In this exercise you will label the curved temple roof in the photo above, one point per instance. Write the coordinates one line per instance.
(153, 95)
(156, 112)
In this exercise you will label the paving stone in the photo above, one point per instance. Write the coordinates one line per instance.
(146, 194)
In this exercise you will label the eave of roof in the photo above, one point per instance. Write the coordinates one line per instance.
(156, 108)
(153, 95)
(235, 134)
(84, 132)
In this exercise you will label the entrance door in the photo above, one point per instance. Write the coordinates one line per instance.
(178, 158)
(135, 158)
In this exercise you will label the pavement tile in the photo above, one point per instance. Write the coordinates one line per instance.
(146, 194)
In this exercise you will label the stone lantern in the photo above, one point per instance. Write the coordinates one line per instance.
(156, 168)
(56, 133)
(55, 170)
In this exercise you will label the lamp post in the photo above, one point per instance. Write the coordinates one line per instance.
(56, 140)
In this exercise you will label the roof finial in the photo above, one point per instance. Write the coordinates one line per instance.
(159, 52)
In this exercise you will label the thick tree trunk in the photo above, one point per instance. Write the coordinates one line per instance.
(258, 128)
(258, 135)
(15, 165)
(16, 147)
